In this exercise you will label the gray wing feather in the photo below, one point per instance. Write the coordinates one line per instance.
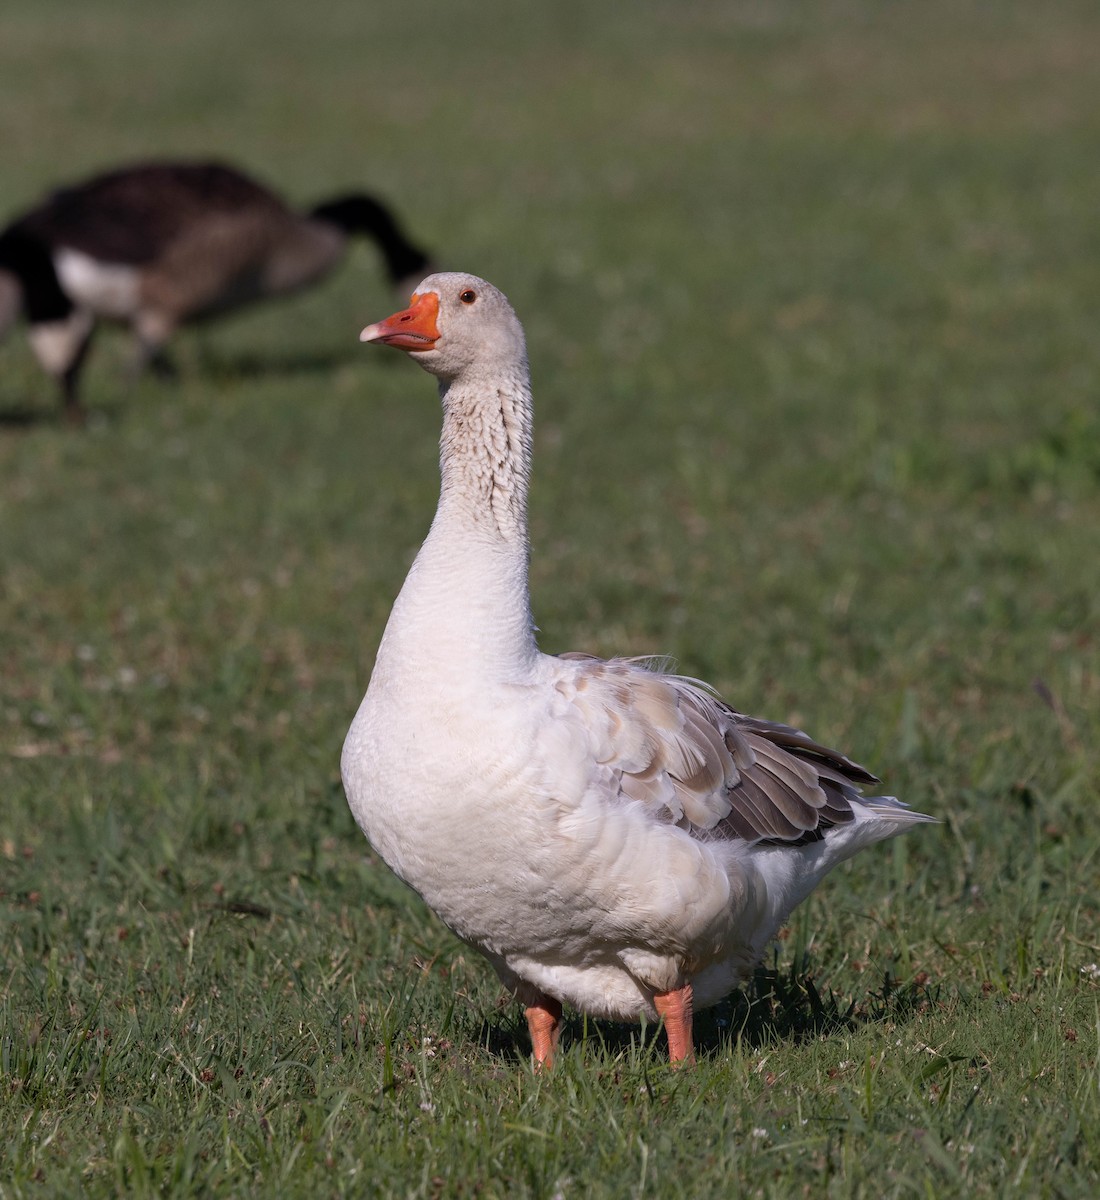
(695, 762)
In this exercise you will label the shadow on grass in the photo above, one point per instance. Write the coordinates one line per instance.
(780, 1006)
(211, 365)
(20, 418)
(23, 414)
(26, 416)
(208, 363)
(251, 365)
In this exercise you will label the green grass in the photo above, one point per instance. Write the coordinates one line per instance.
(811, 297)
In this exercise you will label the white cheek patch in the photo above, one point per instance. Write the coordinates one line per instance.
(57, 343)
(108, 289)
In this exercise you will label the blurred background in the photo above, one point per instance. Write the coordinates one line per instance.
(811, 296)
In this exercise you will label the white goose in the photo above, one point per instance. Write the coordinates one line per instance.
(610, 836)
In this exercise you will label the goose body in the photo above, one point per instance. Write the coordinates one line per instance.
(160, 244)
(611, 836)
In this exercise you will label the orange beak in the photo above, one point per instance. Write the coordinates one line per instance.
(413, 329)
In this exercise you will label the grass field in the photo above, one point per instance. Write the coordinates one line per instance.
(811, 295)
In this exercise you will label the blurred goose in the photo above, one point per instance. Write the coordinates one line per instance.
(159, 244)
(609, 835)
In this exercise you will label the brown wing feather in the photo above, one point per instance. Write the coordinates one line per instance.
(696, 762)
(803, 745)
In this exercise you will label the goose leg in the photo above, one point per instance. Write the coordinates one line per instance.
(544, 1023)
(675, 1009)
(70, 391)
(60, 346)
(70, 382)
(152, 328)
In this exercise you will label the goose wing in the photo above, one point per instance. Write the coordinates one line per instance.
(666, 742)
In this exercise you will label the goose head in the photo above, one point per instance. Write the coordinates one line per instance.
(456, 324)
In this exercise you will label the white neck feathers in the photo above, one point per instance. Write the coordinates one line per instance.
(466, 599)
(485, 456)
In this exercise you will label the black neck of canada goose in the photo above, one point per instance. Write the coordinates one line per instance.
(357, 213)
(28, 259)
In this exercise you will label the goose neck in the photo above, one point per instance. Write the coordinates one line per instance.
(485, 459)
(468, 590)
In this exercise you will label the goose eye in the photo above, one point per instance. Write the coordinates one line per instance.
(468, 296)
